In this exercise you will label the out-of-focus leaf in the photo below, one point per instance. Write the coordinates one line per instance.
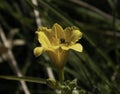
(28, 79)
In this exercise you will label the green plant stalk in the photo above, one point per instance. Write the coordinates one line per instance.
(61, 74)
(27, 79)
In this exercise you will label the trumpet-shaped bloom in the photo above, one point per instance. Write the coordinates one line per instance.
(57, 42)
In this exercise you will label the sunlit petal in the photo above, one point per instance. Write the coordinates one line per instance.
(76, 35)
(46, 31)
(43, 39)
(65, 47)
(58, 31)
(38, 51)
(51, 49)
(77, 47)
(73, 35)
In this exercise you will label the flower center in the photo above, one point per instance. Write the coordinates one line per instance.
(62, 41)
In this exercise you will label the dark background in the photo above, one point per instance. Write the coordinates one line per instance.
(97, 68)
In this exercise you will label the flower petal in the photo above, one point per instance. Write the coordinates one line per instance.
(38, 51)
(43, 39)
(58, 58)
(77, 47)
(76, 35)
(58, 31)
(65, 47)
(51, 49)
(46, 31)
(72, 35)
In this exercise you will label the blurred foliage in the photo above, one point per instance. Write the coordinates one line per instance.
(97, 68)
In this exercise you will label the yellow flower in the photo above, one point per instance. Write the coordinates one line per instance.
(57, 42)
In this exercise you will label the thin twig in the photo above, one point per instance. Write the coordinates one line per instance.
(50, 72)
(36, 13)
(12, 61)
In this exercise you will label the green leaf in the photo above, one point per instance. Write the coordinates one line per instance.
(27, 79)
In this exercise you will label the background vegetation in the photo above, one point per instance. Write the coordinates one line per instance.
(97, 68)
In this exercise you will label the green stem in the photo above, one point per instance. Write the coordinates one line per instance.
(61, 74)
